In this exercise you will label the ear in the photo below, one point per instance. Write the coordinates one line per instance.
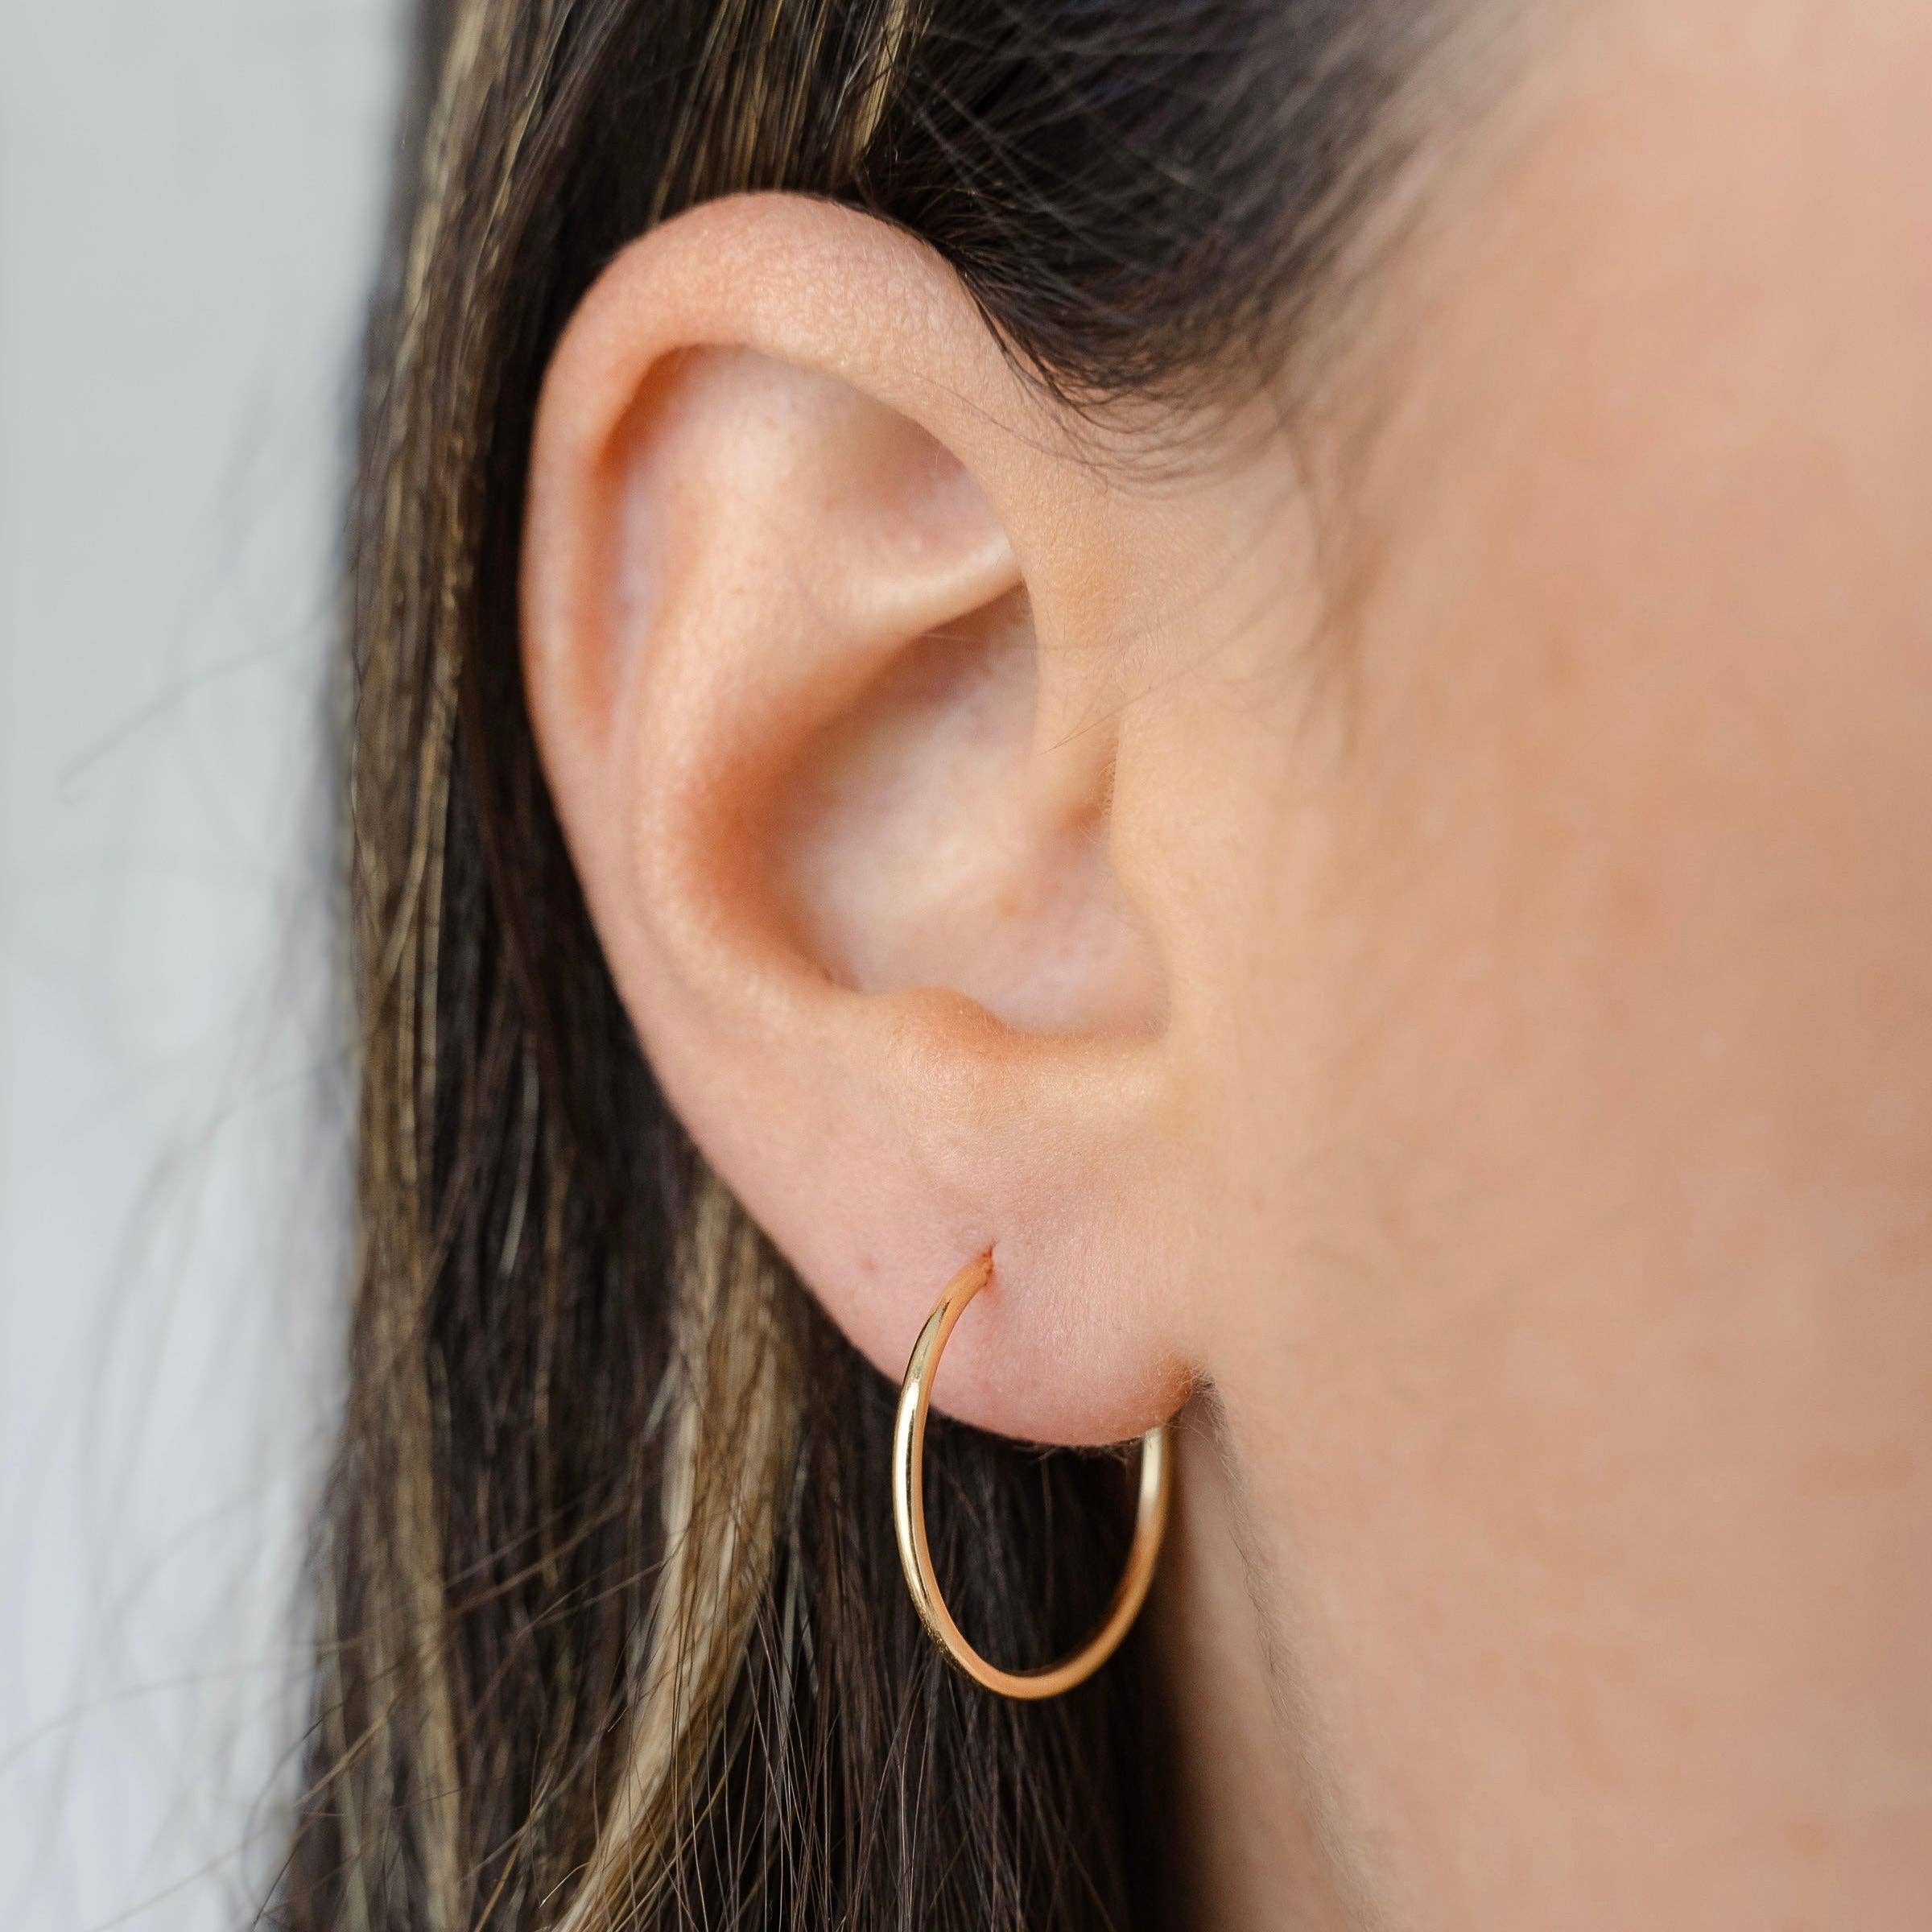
(814, 651)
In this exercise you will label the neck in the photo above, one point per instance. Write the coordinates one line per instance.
(1251, 1860)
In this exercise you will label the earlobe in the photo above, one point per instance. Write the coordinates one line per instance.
(850, 870)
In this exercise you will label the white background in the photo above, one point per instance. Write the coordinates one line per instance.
(189, 192)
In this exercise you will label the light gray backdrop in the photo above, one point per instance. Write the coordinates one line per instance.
(188, 194)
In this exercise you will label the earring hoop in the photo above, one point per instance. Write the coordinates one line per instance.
(909, 1518)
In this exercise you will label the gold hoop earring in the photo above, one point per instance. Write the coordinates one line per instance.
(909, 1518)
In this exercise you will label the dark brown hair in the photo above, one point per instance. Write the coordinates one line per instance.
(611, 1628)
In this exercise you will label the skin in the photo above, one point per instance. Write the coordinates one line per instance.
(1412, 944)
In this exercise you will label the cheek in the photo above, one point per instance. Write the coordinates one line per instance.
(1570, 1143)
(1630, 875)
(1572, 1092)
